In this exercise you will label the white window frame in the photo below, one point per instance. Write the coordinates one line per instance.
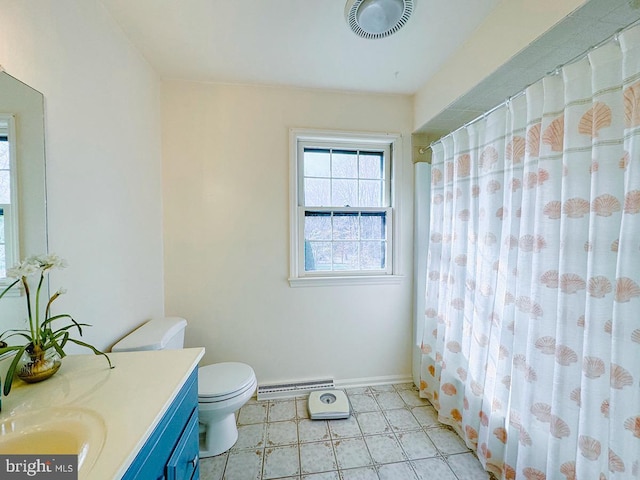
(297, 276)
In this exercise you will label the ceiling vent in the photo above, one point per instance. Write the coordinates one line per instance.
(377, 18)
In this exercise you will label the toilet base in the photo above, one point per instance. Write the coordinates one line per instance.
(219, 436)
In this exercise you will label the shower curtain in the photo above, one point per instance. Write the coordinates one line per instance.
(531, 344)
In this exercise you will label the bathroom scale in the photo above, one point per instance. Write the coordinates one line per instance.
(328, 405)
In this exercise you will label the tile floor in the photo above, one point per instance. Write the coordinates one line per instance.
(393, 434)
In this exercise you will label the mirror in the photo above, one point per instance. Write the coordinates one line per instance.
(22, 184)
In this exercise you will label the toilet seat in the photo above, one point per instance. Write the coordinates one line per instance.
(221, 381)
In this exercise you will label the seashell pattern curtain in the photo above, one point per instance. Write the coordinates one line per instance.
(531, 347)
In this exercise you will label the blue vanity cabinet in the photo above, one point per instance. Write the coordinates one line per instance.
(171, 452)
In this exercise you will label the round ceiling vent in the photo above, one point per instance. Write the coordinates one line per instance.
(377, 18)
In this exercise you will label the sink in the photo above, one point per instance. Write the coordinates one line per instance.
(55, 431)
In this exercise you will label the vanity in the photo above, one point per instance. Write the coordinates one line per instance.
(136, 421)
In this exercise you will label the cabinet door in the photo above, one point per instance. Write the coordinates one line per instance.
(151, 461)
(184, 460)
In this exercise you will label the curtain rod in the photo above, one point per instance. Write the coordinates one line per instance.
(555, 71)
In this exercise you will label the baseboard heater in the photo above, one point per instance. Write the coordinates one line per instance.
(280, 390)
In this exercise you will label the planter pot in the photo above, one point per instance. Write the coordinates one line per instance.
(36, 364)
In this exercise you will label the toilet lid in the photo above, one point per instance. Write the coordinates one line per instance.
(222, 379)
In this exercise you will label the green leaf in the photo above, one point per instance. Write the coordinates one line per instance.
(58, 346)
(9, 288)
(65, 315)
(92, 348)
(19, 333)
(8, 379)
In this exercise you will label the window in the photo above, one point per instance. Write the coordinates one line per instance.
(8, 198)
(342, 209)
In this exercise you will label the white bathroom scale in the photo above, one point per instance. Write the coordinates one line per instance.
(329, 405)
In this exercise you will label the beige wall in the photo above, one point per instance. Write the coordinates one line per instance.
(510, 27)
(103, 158)
(226, 194)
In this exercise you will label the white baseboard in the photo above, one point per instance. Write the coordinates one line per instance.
(373, 381)
(341, 384)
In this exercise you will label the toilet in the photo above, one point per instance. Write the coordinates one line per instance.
(222, 387)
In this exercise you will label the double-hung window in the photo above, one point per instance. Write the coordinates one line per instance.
(343, 211)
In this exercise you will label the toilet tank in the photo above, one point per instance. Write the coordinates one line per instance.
(157, 334)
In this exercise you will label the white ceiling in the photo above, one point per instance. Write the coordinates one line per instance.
(308, 44)
(301, 43)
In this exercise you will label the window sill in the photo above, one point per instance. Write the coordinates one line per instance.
(346, 280)
(16, 291)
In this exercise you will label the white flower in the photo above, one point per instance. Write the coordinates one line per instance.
(61, 291)
(36, 264)
(50, 261)
(23, 269)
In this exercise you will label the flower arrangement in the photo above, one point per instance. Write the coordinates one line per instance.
(41, 337)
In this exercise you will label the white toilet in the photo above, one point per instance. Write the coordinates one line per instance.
(222, 387)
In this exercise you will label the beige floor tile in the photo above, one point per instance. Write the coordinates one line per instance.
(253, 413)
(312, 430)
(384, 449)
(467, 466)
(282, 410)
(244, 465)
(322, 476)
(417, 445)
(447, 441)
(382, 388)
(401, 420)
(352, 453)
(412, 398)
(434, 468)
(366, 473)
(397, 471)
(372, 423)
(388, 400)
(282, 433)
(281, 462)
(363, 403)
(250, 437)
(426, 415)
(347, 427)
(302, 407)
(212, 468)
(317, 457)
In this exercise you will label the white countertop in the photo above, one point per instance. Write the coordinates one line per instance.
(130, 399)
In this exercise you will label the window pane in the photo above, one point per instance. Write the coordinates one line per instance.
(317, 256)
(373, 226)
(317, 163)
(371, 165)
(4, 155)
(317, 226)
(344, 193)
(345, 256)
(317, 192)
(5, 187)
(344, 164)
(345, 226)
(370, 193)
(372, 255)
(3, 262)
